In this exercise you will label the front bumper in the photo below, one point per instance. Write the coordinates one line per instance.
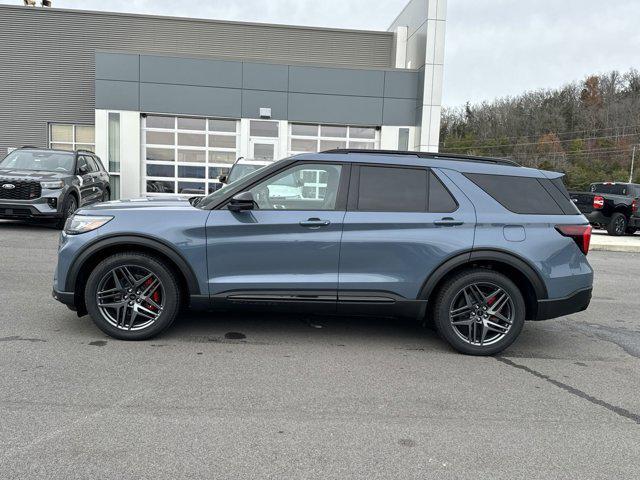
(68, 298)
(27, 211)
(559, 307)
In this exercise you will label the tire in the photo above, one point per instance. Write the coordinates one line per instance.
(618, 224)
(468, 339)
(69, 206)
(106, 196)
(113, 316)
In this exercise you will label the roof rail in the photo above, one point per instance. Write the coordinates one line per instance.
(28, 146)
(435, 155)
(84, 150)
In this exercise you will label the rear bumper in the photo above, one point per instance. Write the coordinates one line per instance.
(559, 307)
(596, 217)
(634, 222)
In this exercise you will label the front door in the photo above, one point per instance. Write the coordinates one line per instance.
(86, 180)
(287, 248)
(264, 149)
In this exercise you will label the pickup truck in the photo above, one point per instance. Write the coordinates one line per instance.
(610, 205)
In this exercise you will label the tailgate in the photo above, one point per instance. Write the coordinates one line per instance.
(583, 200)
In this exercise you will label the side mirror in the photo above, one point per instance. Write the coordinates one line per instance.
(83, 169)
(242, 201)
(223, 178)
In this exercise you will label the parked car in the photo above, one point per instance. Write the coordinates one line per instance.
(476, 245)
(241, 167)
(611, 206)
(48, 184)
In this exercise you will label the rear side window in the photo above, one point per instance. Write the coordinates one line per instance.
(390, 189)
(558, 191)
(525, 195)
(440, 200)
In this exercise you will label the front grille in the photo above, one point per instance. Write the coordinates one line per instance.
(15, 212)
(23, 190)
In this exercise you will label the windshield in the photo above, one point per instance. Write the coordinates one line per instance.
(240, 170)
(46, 161)
(218, 194)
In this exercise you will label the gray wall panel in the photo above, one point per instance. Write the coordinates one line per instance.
(117, 95)
(252, 100)
(218, 102)
(336, 81)
(401, 84)
(29, 55)
(399, 111)
(265, 76)
(118, 66)
(305, 107)
(190, 71)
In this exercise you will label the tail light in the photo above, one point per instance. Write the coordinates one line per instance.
(598, 202)
(581, 234)
(634, 207)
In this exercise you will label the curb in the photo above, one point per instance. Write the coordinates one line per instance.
(615, 248)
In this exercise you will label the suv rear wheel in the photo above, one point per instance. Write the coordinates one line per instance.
(479, 312)
(618, 224)
(132, 296)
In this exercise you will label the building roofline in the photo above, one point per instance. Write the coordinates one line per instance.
(45, 10)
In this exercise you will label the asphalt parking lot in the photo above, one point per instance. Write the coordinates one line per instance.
(255, 396)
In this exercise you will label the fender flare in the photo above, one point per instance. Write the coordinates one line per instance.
(136, 240)
(485, 254)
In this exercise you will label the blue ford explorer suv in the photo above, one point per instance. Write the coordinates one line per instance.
(475, 245)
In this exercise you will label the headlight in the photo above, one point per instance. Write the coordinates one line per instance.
(52, 185)
(84, 223)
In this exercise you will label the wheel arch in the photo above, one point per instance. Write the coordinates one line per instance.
(519, 270)
(102, 248)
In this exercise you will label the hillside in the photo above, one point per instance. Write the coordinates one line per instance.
(585, 129)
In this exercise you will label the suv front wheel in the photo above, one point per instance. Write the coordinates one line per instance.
(132, 296)
(479, 312)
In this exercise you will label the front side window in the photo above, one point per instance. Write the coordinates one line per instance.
(301, 187)
(36, 160)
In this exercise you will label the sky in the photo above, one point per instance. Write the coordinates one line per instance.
(494, 48)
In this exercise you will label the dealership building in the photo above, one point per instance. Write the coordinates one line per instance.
(170, 103)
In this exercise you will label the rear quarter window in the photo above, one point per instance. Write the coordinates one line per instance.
(524, 195)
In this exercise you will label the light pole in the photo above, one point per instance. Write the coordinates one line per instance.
(633, 158)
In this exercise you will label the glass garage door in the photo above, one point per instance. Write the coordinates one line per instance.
(306, 137)
(186, 155)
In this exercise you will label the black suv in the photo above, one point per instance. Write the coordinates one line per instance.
(40, 184)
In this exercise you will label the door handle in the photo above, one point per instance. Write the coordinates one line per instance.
(314, 223)
(447, 222)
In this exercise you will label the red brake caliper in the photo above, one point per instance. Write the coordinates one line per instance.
(155, 296)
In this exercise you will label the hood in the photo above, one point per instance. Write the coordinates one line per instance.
(34, 175)
(148, 203)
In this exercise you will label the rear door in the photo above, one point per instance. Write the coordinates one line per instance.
(401, 224)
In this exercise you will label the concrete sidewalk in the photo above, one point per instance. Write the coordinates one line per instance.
(601, 241)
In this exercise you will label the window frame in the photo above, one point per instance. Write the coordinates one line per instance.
(354, 189)
(73, 143)
(341, 198)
